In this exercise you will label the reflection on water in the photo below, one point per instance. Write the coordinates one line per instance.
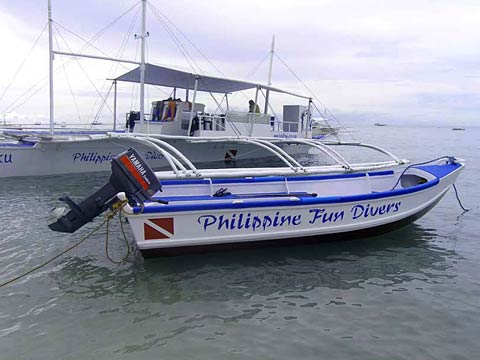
(172, 299)
(387, 261)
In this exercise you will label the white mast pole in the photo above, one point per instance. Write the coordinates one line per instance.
(269, 80)
(50, 62)
(142, 66)
(115, 105)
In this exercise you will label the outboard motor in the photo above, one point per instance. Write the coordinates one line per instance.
(130, 174)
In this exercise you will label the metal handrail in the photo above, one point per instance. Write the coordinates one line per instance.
(370, 146)
(281, 151)
(172, 161)
(176, 151)
(325, 149)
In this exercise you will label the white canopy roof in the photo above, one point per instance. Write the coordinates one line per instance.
(163, 76)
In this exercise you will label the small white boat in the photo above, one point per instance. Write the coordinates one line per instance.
(321, 128)
(225, 208)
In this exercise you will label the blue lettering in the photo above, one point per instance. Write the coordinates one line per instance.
(153, 155)
(369, 210)
(397, 206)
(222, 223)
(324, 217)
(256, 223)
(285, 219)
(5, 158)
(338, 216)
(238, 221)
(267, 221)
(207, 220)
(95, 158)
(357, 211)
(317, 214)
(297, 220)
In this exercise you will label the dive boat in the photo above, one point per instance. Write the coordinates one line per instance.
(201, 134)
(192, 209)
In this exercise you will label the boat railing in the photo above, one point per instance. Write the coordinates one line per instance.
(370, 146)
(320, 146)
(264, 142)
(173, 156)
(279, 152)
(248, 117)
(182, 167)
(279, 171)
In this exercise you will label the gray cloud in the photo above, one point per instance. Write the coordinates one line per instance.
(386, 59)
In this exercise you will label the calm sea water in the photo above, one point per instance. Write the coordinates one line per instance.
(410, 294)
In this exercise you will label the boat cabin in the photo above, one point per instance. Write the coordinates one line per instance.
(177, 117)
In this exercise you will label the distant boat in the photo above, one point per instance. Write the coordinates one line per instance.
(457, 128)
(380, 124)
(321, 127)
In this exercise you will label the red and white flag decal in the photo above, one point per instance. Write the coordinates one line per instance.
(230, 155)
(158, 229)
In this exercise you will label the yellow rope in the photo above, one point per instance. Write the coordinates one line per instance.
(127, 255)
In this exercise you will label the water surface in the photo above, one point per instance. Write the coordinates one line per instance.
(410, 294)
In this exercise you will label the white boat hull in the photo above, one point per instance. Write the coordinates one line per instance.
(67, 157)
(235, 221)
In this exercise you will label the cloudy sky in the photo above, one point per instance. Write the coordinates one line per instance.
(402, 62)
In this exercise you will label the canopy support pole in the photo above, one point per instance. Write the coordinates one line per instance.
(193, 105)
(50, 62)
(254, 113)
(308, 116)
(114, 105)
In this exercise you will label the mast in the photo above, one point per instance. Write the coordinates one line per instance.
(142, 66)
(269, 79)
(115, 106)
(50, 62)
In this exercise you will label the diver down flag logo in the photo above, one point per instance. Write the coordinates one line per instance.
(230, 155)
(158, 229)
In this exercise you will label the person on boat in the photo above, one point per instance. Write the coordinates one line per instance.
(253, 107)
(171, 110)
(132, 116)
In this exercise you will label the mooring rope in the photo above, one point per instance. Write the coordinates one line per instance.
(116, 209)
(107, 254)
(422, 163)
(458, 199)
(450, 158)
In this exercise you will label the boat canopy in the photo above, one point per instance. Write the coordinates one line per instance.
(163, 76)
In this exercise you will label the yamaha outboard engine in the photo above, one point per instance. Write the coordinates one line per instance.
(130, 174)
